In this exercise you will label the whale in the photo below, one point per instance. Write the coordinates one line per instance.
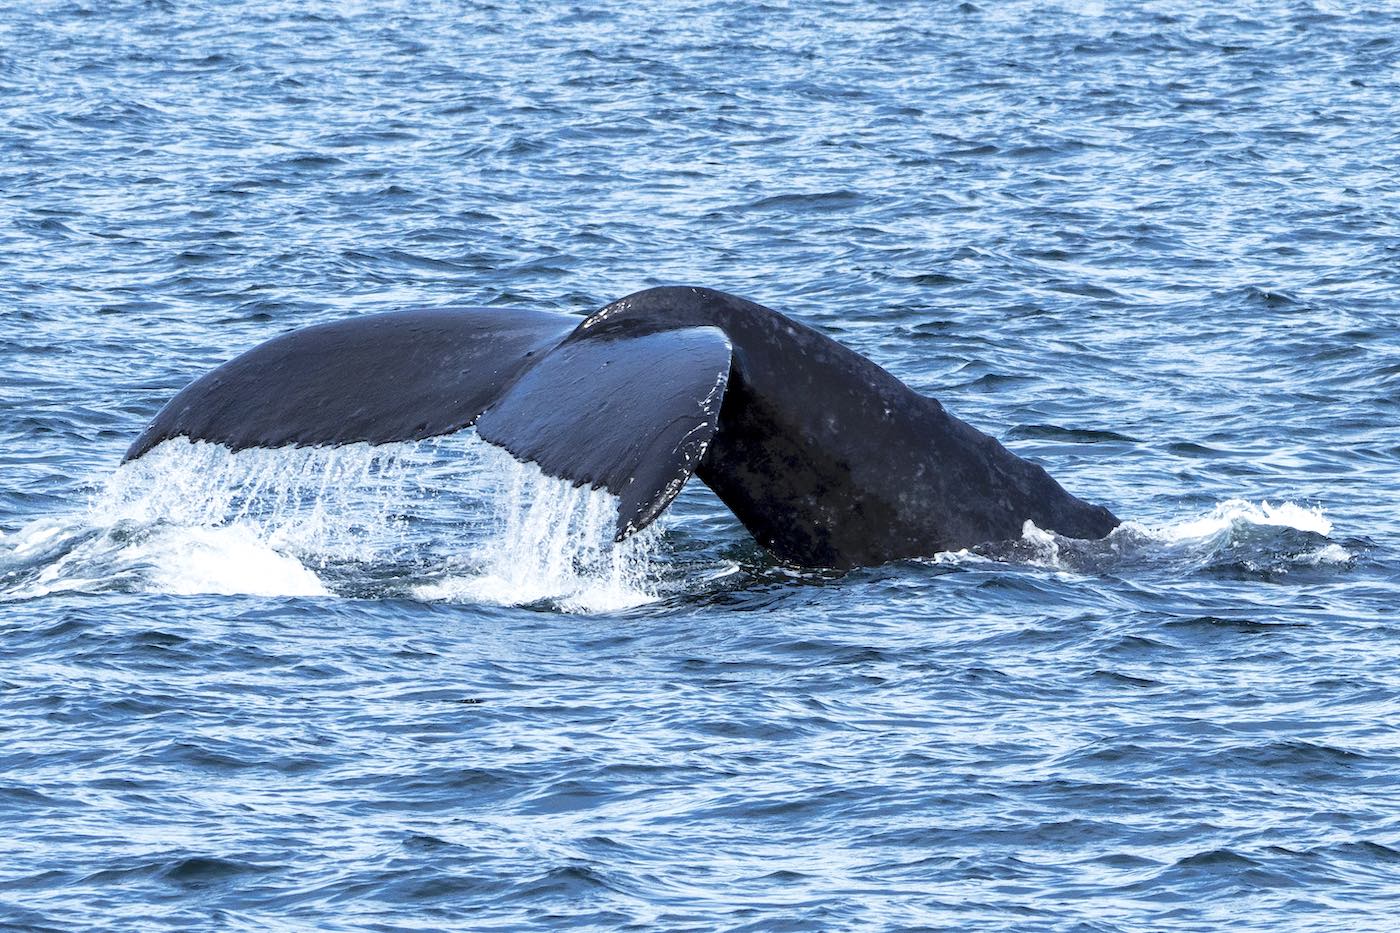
(827, 459)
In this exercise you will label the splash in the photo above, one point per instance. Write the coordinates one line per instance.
(340, 502)
(197, 518)
(222, 561)
(553, 542)
(192, 518)
(1237, 513)
(1234, 537)
(64, 557)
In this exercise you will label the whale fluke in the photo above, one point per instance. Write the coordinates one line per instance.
(631, 414)
(380, 378)
(824, 456)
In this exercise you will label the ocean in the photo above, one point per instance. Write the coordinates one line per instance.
(1152, 246)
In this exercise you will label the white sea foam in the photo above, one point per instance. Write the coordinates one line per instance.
(1236, 512)
(1044, 545)
(226, 561)
(462, 520)
(1237, 530)
(1327, 554)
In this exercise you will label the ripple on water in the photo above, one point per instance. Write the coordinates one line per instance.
(1148, 245)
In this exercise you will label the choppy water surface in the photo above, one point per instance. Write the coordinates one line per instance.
(1154, 248)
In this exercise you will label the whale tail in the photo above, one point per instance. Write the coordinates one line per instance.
(631, 414)
(567, 403)
(824, 456)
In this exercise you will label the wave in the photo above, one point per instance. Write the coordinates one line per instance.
(1234, 538)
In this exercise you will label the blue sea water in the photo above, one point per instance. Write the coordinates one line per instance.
(1153, 246)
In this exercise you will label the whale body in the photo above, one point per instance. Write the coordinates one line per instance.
(827, 459)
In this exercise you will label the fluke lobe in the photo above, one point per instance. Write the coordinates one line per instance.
(826, 458)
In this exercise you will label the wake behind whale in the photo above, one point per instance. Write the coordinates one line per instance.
(826, 458)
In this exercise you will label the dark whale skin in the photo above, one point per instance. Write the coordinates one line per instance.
(830, 461)
(826, 458)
